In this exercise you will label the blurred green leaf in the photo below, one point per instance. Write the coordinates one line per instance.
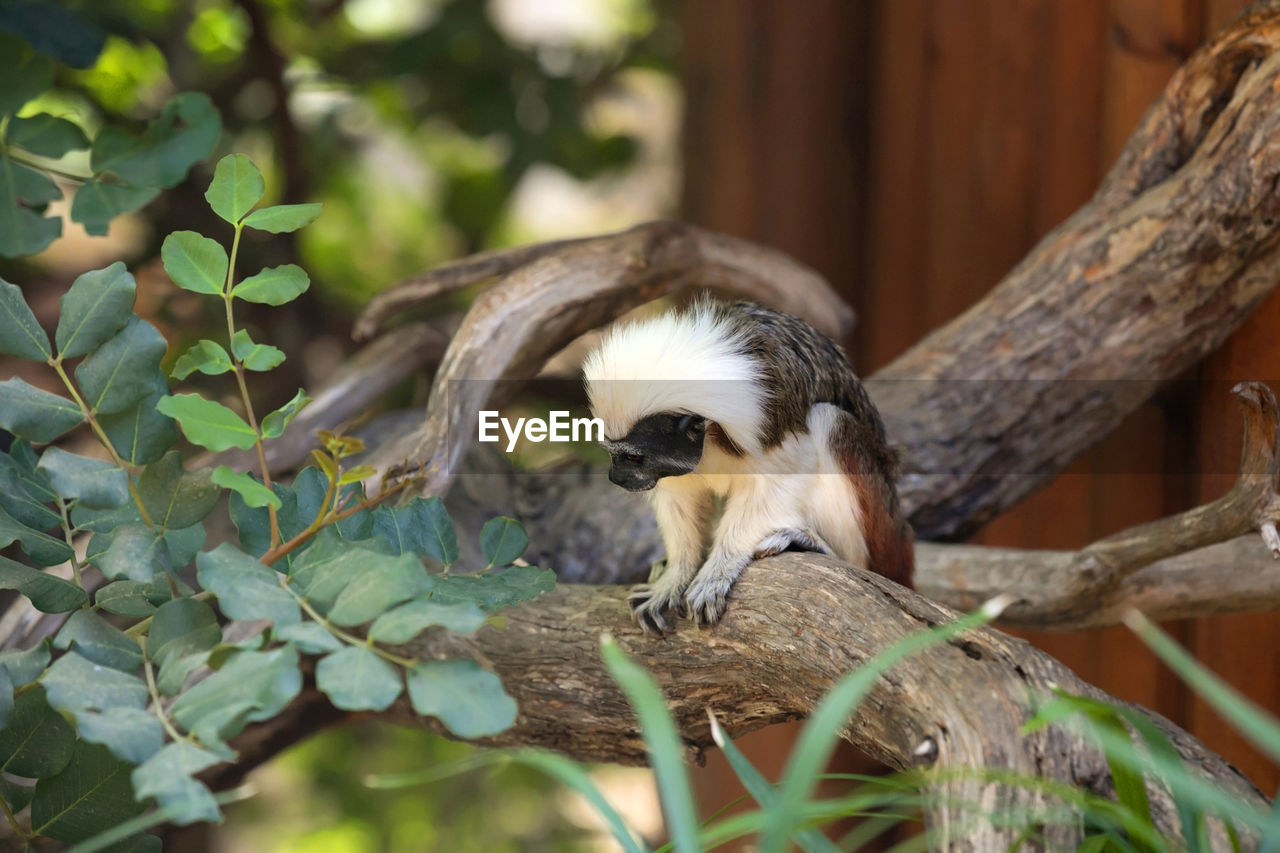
(6, 697)
(90, 635)
(283, 218)
(356, 679)
(140, 433)
(20, 333)
(174, 498)
(91, 794)
(469, 700)
(132, 551)
(503, 540)
(195, 262)
(257, 357)
(47, 593)
(421, 527)
(36, 741)
(206, 356)
(24, 73)
(93, 482)
(46, 135)
(246, 589)
(310, 637)
(274, 424)
(384, 582)
(54, 29)
(25, 665)
(74, 684)
(274, 285)
(33, 414)
(182, 627)
(322, 573)
(132, 734)
(125, 598)
(182, 135)
(236, 187)
(94, 309)
(252, 492)
(403, 623)
(26, 494)
(208, 424)
(169, 777)
(96, 203)
(24, 196)
(41, 548)
(121, 371)
(493, 590)
(250, 687)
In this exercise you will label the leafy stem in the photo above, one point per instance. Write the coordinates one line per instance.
(238, 365)
(156, 699)
(92, 420)
(70, 539)
(287, 548)
(350, 639)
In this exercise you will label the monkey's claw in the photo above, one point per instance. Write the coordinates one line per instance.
(647, 603)
(707, 600)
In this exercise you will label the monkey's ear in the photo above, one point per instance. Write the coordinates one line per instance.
(691, 423)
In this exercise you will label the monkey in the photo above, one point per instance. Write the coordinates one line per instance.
(740, 405)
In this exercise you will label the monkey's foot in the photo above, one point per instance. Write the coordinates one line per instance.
(647, 603)
(708, 595)
(789, 538)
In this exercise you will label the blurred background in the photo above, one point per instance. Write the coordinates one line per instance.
(912, 151)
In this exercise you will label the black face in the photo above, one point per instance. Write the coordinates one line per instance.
(665, 445)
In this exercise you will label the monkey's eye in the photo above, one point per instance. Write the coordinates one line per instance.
(632, 458)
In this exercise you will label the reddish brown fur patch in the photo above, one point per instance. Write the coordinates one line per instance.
(888, 537)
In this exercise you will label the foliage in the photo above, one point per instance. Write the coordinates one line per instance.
(144, 685)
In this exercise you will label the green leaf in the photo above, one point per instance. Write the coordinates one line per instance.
(91, 636)
(250, 490)
(125, 598)
(24, 196)
(405, 622)
(503, 540)
(310, 637)
(274, 424)
(182, 627)
(91, 794)
(96, 203)
(97, 305)
(41, 548)
(469, 700)
(132, 551)
(195, 262)
(36, 741)
(421, 527)
(54, 29)
(246, 589)
(6, 697)
(182, 135)
(93, 482)
(35, 415)
(131, 734)
(174, 498)
(139, 433)
(211, 425)
(20, 333)
(493, 590)
(283, 218)
(322, 572)
(236, 187)
(253, 356)
(384, 582)
(17, 796)
(250, 687)
(175, 671)
(47, 593)
(206, 356)
(121, 371)
(46, 135)
(356, 679)
(24, 73)
(74, 684)
(25, 666)
(168, 776)
(274, 285)
(26, 494)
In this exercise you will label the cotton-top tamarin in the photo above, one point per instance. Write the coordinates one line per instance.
(758, 408)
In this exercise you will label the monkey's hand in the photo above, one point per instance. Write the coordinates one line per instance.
(708, 595)
(649, 600)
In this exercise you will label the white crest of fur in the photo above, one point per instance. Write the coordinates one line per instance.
(688, 362)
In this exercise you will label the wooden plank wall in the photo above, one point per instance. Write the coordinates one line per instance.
(913, 151)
